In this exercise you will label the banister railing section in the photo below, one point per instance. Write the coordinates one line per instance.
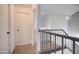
(51, 41)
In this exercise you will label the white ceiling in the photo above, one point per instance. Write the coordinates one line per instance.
(65, 9)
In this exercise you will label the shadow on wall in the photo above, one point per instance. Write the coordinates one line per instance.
(73, 30)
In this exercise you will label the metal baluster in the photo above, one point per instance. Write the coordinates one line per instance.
(50, 41)
(55, 44)
(46, 41)
(65, 42)
(42, 41)
(65, 39)
(73, 47)
(62, 45)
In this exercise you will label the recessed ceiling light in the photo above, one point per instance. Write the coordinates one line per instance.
(67, 17)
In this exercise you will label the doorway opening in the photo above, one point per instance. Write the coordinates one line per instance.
(24, 29)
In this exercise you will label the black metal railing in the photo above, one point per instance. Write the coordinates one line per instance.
(46, 36)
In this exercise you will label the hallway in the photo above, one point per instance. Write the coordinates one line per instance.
(46, 26)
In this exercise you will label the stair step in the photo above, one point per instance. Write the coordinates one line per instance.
(51, 51)
(66, 51)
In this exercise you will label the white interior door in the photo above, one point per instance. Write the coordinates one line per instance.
(23, 28)
(4, 29)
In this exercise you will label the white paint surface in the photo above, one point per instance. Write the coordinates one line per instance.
(73, 28)
(24, 25)
(65, 9)
(7, 24)
(12, 27)
(4, 28)
(58, 21)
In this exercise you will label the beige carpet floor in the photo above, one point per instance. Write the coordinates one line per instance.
(25, 49)
(29, 49)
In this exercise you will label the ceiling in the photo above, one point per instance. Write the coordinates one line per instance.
(65, 9)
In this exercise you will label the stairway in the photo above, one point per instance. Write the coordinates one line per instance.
(57, 42)
(46, 49)
(66, 51)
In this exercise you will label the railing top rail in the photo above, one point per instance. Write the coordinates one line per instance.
(55, 30)
(60, 35)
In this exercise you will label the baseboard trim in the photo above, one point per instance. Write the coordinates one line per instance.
(23, 43)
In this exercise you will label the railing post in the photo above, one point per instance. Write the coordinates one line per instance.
(42, 42)
(50, 41)
(73, 47)
(55, 44)
(62, 45)
(46, 42)
(65, 42)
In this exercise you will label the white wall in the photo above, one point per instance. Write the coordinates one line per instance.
(57, 21)
(4, 28)
(12, 27)
(42, 20)
(73, 29)
(73, 25)
(26, 37)
(53, 17)
(7, 24)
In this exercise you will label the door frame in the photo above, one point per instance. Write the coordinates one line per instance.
(34, 23)
(11, 24)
